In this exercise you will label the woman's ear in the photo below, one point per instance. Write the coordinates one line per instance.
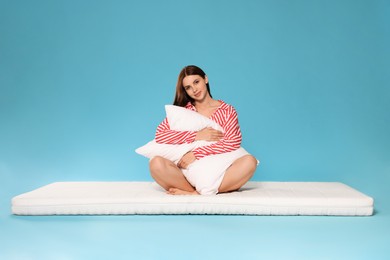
(206, 79)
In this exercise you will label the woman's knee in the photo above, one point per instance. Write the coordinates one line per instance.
(156, 164)
(251, 162)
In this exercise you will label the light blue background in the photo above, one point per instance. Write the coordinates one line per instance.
(84, 83)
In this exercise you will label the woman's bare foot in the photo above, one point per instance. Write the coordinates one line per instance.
(176, 191)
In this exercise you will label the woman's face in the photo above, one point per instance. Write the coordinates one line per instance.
(195, 86)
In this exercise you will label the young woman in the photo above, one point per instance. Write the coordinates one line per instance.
(193, 92)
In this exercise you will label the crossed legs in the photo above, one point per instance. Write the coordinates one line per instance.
(171, 178)
(238, 174)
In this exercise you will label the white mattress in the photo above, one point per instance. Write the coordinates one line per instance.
(255, 198)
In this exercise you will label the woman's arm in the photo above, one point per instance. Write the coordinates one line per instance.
(164, 135)
(232, 138)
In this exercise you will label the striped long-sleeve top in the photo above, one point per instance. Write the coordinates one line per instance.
(225, 116)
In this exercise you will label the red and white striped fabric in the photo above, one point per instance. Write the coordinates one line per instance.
(225, 116)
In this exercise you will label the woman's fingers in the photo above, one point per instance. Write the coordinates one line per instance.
(209, 134)
(213, 135)
(186, 160)
(216, 135)
(181, 164)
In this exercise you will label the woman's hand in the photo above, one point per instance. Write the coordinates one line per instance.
(209, 134)
(186, 160)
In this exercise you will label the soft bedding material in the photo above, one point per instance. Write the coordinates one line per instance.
(180, 119)
(254, 198)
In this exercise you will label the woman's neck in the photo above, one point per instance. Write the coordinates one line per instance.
(207, 107)
(206, 103)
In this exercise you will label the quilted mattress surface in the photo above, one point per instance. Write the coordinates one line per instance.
(254, 198)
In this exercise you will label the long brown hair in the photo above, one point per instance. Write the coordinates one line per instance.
(181, 96)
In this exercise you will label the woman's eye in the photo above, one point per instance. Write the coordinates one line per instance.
(196, 82)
